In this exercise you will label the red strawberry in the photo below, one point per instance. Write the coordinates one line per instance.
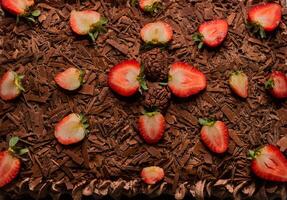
(214, 134)
(10, 85)
(125, 78)
(211, 33)
(266, 16)
(269, 163)
(71, 129)
(149, 5)
(70, 79)
(9, 163)
(238, 82)
(156, 33)
(185, 80)
(151, 126)
(17, 7)
(152, 175)
(9, 167)
(277, 85)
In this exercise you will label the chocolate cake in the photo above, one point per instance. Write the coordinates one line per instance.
(111, 156)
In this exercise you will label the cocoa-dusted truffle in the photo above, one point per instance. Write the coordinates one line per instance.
(155, 64)
(157, 97)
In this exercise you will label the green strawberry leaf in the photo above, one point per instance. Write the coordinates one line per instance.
(200, 45)
(262, 33)
(31, 19)
(23, 151)
(36, 13)
(13, 141)
(91, 35)
(163, 83)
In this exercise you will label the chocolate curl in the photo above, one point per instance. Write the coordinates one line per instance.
(249, 189)
(237, 190)
(89, 189)
(116, 188)
(180, 191)
(198, 190)
(131, 187)
(57, 184)
(103, 188)
(77, 191)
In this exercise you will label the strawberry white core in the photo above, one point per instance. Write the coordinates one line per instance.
(239, 83)
(157, 32)
(152, 126)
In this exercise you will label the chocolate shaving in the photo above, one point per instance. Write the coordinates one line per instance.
(76, 158)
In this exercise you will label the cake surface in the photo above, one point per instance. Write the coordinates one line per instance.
(110, 158)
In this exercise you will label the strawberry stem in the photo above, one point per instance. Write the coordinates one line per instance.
(18, 81)
(84, 122)
(153, 8)
(236, 72)
(150, 114)
(269, 84)
(141, 80)
(82, 73)
(98, 28)
(198, 38)
(206, 122)
(256, 28)
(134, 2)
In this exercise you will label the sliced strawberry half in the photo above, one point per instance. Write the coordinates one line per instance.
(156, 33)
(9, 163)
(70, 79)
(214, 135)
(150, 5)
(151, 127)
(71, 129)
(277, 85)
(10, 85)
(211, 33)
(269, 163)
(185, 80)
(125, 78)
(151, 175)
(9, 167)
(238, 82)
(265, 17)
(87, 22)
(17, 7)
